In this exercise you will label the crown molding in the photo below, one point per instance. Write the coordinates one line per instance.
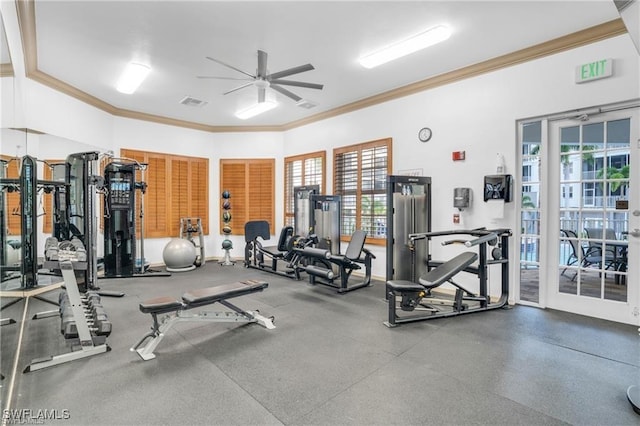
(6, 70)
(26, 18)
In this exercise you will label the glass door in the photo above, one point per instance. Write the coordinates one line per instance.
(594, 212)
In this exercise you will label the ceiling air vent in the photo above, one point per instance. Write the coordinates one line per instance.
(306, 104)
(189, 101)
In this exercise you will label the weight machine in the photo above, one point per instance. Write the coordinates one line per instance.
(123, 256)
(302, 209)
(417, 295)
(408, 212)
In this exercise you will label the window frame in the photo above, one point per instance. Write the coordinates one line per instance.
(289, 216)
(387, 143)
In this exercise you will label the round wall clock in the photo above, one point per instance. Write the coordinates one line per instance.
(425, 134)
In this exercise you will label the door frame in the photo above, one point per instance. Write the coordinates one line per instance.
(549, 226)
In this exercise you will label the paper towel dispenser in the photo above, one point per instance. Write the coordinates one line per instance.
(497, 187)
(461, 198)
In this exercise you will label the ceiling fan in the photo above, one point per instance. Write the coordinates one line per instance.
(262, 79)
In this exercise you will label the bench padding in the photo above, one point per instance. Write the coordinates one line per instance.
(201, 297)
(207, 296)
(160, 305)
(442, 273)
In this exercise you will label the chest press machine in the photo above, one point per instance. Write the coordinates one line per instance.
(416, 295)
(180, 311)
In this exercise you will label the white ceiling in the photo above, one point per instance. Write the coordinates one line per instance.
(87, 44)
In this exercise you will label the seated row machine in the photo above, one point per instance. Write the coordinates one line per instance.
(177, 311)
(417, 297)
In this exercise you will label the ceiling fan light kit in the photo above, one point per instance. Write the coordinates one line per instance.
(405, 47)
(132, 77)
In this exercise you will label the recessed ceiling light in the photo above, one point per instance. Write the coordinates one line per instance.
(131, 78)
(256, 109)
(405, 47)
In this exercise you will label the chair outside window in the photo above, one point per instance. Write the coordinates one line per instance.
(610, 255)
(584, 257)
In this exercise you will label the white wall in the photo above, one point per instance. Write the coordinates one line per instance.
(478, 116)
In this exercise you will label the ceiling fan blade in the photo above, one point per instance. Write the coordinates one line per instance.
(262, 63)
(238, 88)
(261, 94)
(285, 92)
(290, 71)
(230, 66)
(224, 78)
(298, 83)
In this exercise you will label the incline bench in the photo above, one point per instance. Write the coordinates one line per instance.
(176, 311)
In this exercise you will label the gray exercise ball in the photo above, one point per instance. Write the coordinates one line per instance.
(179, 255)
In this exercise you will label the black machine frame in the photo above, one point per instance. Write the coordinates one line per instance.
(416, 295)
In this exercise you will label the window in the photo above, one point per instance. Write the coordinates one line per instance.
(299, 170)
(360, 174)
(251, 185)
(177, 186)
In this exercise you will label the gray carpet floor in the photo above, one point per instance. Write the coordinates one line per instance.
(330, 361)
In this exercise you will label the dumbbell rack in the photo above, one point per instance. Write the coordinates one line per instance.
(89, 344)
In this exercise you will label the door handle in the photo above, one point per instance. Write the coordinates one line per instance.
(635, 233)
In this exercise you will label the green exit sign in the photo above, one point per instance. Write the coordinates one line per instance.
(594, 70)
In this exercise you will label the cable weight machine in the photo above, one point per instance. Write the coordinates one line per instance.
(123, 256)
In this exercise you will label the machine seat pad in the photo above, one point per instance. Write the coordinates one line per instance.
(273, 251)
(444, 272)
(160, 305)
(403, 286)
(207, 296)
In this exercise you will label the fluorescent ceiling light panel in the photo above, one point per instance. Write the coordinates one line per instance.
(405, 47)
(256, 109)
(133, 75)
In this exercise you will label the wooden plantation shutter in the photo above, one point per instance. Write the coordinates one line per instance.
(251, 184)
(13, 198)
(305, 169)
(360, 173)
(199, 191)
(47, 200)
(177, 186)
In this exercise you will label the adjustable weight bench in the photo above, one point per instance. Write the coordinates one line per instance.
(177, 311)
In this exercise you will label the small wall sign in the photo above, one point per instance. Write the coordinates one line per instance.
(596, 70)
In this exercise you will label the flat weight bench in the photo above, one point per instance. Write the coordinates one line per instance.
(176, 311)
